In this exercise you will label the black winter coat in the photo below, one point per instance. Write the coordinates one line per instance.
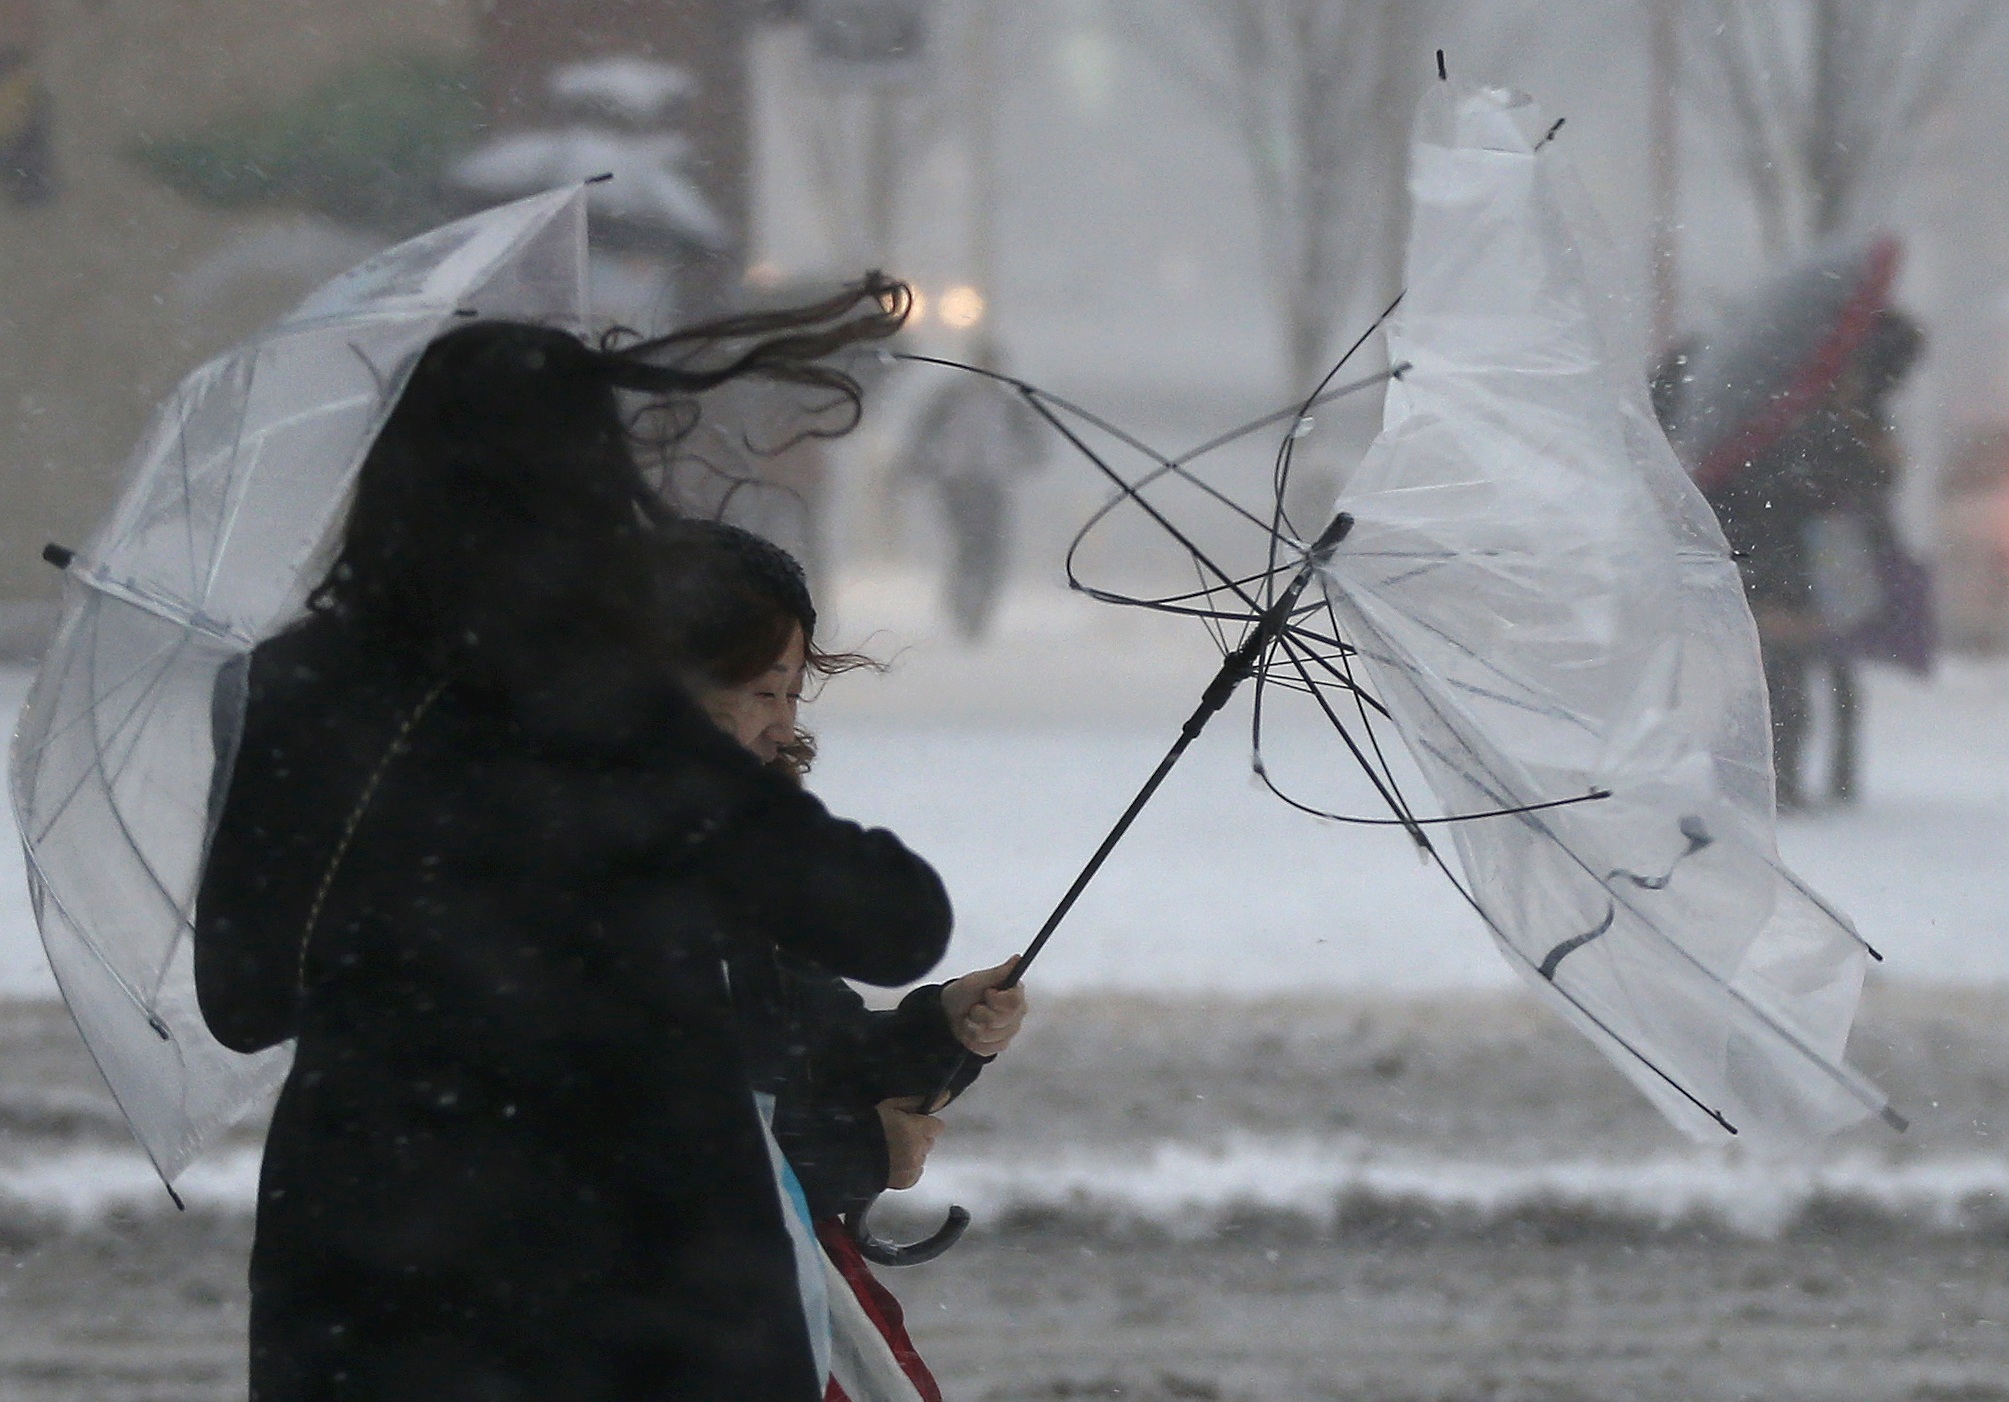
(828, 1061)
(517, 1155)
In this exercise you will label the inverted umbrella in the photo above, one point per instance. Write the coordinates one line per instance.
(1521, 579)
(1546, 607)
(237, 491)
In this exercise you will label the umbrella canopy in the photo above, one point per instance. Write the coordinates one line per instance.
(1549, 615)
(238, 491)
(1778, 356)
(1547, 609)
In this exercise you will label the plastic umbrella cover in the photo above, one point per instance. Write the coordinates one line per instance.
(1550, 611)
(236, 495)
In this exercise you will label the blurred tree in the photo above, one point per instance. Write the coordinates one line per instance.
(1320, 94)
(873, 103)
(874, 89)
(1822, 103)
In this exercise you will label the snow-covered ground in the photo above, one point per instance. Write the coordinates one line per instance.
(1005, 764)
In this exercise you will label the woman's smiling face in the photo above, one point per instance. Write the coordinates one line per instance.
(760, 712)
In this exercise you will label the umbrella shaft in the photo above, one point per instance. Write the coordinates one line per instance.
(1236, 668)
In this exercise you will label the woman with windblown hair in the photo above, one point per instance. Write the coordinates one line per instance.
(851, 1094)
(476, 855)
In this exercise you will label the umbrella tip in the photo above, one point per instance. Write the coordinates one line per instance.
(58, 555)
(601, 179)
(1894, 1120)
(1443, 73)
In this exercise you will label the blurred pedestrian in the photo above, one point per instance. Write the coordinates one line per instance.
(478, 848)
(972, 443)
(845, 1090)
(1867, 590)
(1811, 518)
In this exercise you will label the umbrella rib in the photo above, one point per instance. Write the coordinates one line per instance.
(1297, 411)
(1407, 818)
(228, 526)
(139, 673)
(187, 488)
(50, 893)
(1287, 450)
(1383, 784)
(1590, 1015)
(1840, 1075)
(1822, 906)
(236, 457)
(1132, 491)
(1345, 670)
(1168, 601)
(1216, 628)
(1164, 466)
(1551, 708)
(1145, 506)
(125, 830)
(1103, 596)
(89, 716)
(134, 721)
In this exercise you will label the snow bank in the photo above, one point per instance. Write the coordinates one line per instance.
(1189, 1191)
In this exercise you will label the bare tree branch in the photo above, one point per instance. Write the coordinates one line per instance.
(1320, 93)
(1819, 102)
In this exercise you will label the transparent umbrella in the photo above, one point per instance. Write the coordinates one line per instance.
(1546, 608)
(1520, 580)
(1523, 583)
(237, 491)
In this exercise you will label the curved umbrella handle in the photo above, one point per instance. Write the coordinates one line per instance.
(886, 1253)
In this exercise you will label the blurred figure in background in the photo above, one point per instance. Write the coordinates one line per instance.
(971, 443)
(1811, 518)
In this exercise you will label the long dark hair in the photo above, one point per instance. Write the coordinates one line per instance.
(503, 518)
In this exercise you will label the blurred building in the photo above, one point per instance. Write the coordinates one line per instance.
(172, 176)
(95, 323)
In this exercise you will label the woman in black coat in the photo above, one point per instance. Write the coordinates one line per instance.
(849, 1083)
(851, 1093)
(478, 853)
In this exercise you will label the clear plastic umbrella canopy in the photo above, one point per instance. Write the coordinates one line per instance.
(1547, 609)
(236, 493)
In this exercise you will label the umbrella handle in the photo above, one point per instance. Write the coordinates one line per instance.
(881, 1252)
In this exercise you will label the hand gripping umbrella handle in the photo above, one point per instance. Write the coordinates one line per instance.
(1236, 668)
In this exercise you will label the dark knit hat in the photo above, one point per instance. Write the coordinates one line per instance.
(773, 570)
